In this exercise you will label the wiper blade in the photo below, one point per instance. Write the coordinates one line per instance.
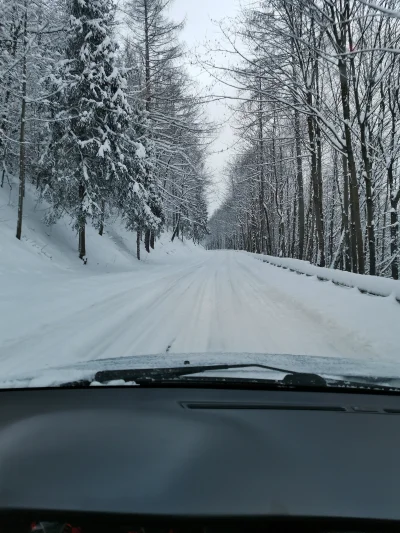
(184, 375)
(146, 375)
(293, 379)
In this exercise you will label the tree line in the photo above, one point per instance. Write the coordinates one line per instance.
(316, 172)
(99, 114)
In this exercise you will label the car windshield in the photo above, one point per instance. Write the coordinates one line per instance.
(190, 184)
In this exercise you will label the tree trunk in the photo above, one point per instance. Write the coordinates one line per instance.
(345, 219)
(332, 207)
(300, 186)
(394, 223)
(362, 118)
(356, 231)
(394, 236)
(293, 248)
(317, 201)
(22, 150)
(82, 241)
(354, 192)
(82, 224)
(176, 230)
(147, 240)
(321, 230)
(370, 220)
(385, 210)
(261, 163)
(101, 229)
(310, 242)
(138, 239)
(269, 240)
(152, 239)
(299, 166)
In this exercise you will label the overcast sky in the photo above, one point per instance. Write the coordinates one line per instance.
(200, 26)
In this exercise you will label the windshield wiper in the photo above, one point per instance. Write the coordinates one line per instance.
(185, 375)
(151, 375)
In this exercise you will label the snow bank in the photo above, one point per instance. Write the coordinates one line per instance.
(371, 284)
(55, 248)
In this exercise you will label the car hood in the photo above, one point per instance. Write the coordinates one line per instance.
(382, 373)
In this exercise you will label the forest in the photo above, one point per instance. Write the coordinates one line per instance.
(315, 172)
(99, 114)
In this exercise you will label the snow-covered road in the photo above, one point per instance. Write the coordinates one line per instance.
(207, 302)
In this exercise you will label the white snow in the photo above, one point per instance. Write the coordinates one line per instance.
(140, 150)
(372, 284)
(180, 299)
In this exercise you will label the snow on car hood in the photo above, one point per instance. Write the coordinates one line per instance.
(333, 367)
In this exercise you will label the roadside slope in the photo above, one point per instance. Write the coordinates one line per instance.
(43, 249)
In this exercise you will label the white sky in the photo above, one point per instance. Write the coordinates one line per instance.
(201, 26)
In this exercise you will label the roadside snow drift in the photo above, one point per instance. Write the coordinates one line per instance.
(371, 284)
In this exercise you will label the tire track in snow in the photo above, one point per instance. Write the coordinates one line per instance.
(220, 302)
(96, 330)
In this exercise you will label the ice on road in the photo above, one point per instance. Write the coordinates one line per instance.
(220, 301)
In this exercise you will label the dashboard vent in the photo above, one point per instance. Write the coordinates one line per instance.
(259, 406)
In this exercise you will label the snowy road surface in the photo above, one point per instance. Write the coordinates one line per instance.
(221, 301)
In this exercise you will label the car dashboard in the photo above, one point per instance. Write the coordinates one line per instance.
(183, 459)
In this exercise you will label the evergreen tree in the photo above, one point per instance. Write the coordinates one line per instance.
(84, 161)
(140, 201)
(157, 49)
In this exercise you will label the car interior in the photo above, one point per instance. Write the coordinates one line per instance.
(183, 458)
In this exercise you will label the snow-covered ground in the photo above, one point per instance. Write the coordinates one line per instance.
(378, 286)
(181, 299)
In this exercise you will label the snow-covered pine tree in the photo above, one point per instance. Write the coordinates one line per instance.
(140, 201)
(154, 38)
(84, 161)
